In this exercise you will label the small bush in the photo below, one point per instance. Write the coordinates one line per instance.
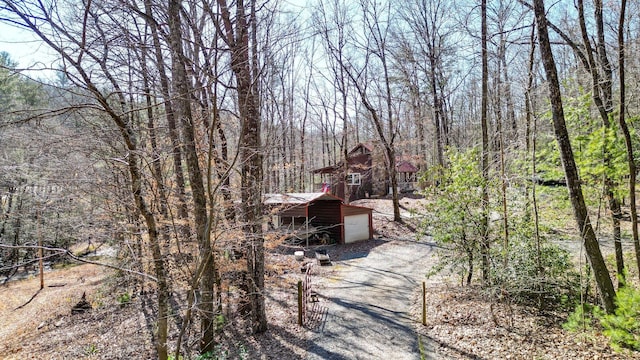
(124, 298)
(581, 319)
(92, 349)
(623, 327)
(210, 356)
(547, 279)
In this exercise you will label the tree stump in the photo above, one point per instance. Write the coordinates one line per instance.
(82, 306)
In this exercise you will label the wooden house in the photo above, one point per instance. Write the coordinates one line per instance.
(367, 175)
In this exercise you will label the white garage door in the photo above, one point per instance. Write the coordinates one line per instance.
(356, 227)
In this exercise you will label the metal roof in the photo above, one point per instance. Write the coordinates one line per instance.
(297, 198)
(405, 166)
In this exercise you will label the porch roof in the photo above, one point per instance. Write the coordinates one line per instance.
(405, 166)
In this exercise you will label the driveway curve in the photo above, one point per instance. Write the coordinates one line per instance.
(366, 300)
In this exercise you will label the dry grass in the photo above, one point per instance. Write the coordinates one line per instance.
(462, 324)
(45, 327)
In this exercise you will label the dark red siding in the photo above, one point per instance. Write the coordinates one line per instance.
(326, 214)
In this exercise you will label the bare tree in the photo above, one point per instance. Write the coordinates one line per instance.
(427, 48)
(627, 134)
(239, 34)
(79, 58)
(182, 101)
(603, 281)
(333, 21)
(485, 146)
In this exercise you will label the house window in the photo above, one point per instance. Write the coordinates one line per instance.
(353, 178)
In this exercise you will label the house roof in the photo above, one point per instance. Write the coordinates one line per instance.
(327, 169)
(405, 166)
(401, 165)
(297, 198)
(367, 146)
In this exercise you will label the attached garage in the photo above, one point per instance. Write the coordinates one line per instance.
(345, 223)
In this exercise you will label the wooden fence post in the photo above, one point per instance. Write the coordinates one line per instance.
(40, 251)
(424, 303)
(300, 304)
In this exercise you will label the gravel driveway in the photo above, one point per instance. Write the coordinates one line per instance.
(366, 297)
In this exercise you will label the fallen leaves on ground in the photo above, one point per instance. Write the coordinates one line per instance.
(462, 324)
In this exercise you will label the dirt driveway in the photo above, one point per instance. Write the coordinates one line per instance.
(366, 297)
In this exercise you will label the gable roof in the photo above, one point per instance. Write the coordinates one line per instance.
(297, 198)
(405, 166)
(369, 147)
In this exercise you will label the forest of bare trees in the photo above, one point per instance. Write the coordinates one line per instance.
(158, 126)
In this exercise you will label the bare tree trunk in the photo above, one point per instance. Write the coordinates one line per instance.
(592, 249)
(7, 214)
(182, 101)
(532, 146)
(528, 95)
(237, 38)
(603, 98)
(174, 134)
(511, 112)
(500, 140)
(484, 246)
(305, 116)
(437, 114)
(17, 228)
(155, 154)
(158, 261)
(627, 135)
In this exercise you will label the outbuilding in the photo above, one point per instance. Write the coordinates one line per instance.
(344, 223)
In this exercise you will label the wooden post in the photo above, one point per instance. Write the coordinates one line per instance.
(40, 252)
(300, 320)
(424, 303)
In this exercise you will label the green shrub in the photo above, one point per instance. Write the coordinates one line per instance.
(623, 327)
(455, 217)
(581, 319)
(545, 278)
(124, 298)
(92, 349)
(208, 355)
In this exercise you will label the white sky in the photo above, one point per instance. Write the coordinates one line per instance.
(26, 49)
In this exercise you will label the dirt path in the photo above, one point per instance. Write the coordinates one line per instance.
(367, 297)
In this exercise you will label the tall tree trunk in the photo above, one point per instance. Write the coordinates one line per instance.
(345, 147)
(511, 112)
(627, 134)
(174, 134)
(603, 98)
(237, 38)
(182, 95)
(155, 154)
(500, 147)
(484, 246)
(531, 133)
(17, 228)
(588, 236)
(7, 214)
(156, 252)
(437, 112)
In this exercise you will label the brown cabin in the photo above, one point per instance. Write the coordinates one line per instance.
(367, 174)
